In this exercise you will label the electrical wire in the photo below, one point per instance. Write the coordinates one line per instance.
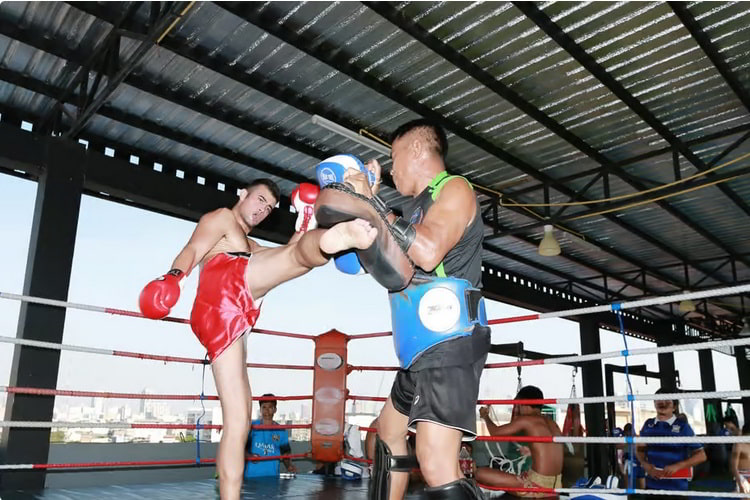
(638, 193)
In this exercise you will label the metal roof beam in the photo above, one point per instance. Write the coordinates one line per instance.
(334, 57)
(642, 157)
(164, 22)
(619, 277)
(396, 17)
(78, 77)
(116, 179)
(691, 24)
(554, 272)
(200, 56)
(28, 37)
(161, 130)
(546, 25)
(166, 132)
(672, 190)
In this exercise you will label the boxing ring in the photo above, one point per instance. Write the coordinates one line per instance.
(329, 397)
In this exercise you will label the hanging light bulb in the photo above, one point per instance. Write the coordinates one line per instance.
(549, 247)
(745, 332)
(686, 306)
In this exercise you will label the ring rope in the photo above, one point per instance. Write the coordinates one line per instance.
(38, 391)
(596, 399)
(620, 491)
(616, 354)
(84, 307)
(633, 304)
(715, 344)
(139, 355)
(616, 306)
(203, 461)
(617, 440)
(30, 424)
(124, 312)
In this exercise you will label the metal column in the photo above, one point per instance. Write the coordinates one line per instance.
(48, 270)
(743, 372)
(667, 372)
(593, 385)
(711, 407)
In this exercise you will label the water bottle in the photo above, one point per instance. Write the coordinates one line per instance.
(466, 462)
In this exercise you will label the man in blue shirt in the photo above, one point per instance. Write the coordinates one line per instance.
(661, 461)
(263, 442)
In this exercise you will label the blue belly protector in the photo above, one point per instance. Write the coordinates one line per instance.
(432, 311)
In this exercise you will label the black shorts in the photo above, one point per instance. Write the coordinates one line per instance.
(443, 384)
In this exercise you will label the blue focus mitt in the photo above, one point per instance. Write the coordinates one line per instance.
(386, 259)
(332, 170)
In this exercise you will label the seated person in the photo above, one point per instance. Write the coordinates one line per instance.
(266, 442)
(731, 426)
(547, 458)
(660, 461)
(629, 463)
(740, 462)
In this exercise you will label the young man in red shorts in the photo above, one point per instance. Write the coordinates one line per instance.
(236, 273)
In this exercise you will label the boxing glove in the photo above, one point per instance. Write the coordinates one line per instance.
(159, 296)
(348, 263)
(332, 169)
(303, 201)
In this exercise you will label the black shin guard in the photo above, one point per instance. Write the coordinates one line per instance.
(463, 489)
(382, 466)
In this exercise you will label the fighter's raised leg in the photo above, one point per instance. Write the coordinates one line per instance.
(270, 267)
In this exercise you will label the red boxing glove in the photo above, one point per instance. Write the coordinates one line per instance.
(159, 296)
(303, 201)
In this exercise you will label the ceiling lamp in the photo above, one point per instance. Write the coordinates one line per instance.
(549, 247)
(745, 332)
(686, 306)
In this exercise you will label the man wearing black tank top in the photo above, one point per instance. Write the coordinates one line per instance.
(439, 321)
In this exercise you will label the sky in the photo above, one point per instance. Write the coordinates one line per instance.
(119, 249)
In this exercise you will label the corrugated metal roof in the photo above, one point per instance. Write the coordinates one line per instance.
(232, 88)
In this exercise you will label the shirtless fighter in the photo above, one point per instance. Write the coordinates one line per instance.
(236, 273)
(546, 458)
(740, 461)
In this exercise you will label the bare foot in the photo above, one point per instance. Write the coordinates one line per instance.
(357, 233)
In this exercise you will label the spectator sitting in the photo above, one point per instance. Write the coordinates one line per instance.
(740, 462)
(547, 458)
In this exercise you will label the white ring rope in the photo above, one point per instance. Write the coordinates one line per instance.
(653, 301)
(55, 346)
(714, 344)
(554, 439)
(84, 307)
(621, 491)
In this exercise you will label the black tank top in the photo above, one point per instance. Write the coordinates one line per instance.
(463, 260)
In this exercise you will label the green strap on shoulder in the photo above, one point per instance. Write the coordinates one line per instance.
(440, 271)
(436, 184)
